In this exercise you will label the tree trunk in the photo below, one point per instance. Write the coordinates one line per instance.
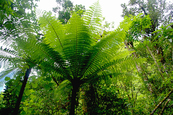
(73, 98)
(16, 110)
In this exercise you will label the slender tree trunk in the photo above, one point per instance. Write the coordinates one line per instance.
(73, 99)
(21, 91)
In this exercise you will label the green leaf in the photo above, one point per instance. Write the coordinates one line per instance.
(34, 85)
(7, 78)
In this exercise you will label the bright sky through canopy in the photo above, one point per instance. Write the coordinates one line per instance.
(111, 9)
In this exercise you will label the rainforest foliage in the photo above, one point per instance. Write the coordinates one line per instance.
(76, 65)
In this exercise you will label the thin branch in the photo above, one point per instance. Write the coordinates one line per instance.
(55, 81)
(161, 102)
(161, 113)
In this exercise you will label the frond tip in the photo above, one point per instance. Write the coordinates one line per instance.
(93, 19)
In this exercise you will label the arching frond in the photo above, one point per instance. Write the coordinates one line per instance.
(102, 53)
(8, 52)
(44, 55)
(7, 58)
(7, 73)
(103, 76)
(53, 31)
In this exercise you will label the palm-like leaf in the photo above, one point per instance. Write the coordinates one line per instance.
(102, 53)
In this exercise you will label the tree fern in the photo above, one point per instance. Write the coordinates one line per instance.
(16, 63)
(71, 50)
(80, 61)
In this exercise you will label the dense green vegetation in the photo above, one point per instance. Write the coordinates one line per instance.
(74, 64)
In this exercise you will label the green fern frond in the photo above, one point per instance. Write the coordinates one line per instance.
(43, 55)
(53, 31)
(63, 90)
(102, 76)
(129, 64)
(77, 43)
(93, 19)
(106, 67)
(102, 53)
(8, 72)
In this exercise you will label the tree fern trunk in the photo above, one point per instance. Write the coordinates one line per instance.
(21, 91)
(73, 98)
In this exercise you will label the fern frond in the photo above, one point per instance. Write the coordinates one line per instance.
(106, 67)
(101, 53)
(6, 51)
(63, 90)
(93, 19)
(102, 76)
(53, 31)
(8, 72)
(8, 58)
(43, 55)
(77, 43)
